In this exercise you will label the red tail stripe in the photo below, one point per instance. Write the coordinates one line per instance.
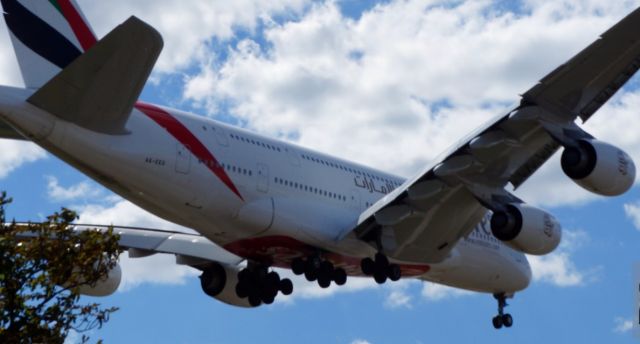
(182, 134)
(79, 27)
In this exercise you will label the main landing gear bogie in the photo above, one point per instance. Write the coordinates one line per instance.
(502, 319)
(316, 269)
(260, 285)
(380, 268)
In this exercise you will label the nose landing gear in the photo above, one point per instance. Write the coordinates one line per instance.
(502, 319)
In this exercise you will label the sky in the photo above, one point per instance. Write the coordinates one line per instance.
(390, 84)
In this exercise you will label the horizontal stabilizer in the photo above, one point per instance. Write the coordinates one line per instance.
(98, 90)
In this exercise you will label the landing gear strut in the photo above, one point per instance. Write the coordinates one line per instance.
(502, 319)
(380, 268)
(260, 285)
(316, 269)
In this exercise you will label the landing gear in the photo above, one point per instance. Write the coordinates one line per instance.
(502, 319)
(316, 269)
(380, 268)
(260, 285)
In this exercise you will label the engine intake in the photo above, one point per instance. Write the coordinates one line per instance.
(220, 282)
(599, 167)
(526, 229)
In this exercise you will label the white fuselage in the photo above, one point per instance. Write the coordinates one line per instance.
(258, 197)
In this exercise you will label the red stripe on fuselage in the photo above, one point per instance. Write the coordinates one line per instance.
(280, 251)
(184, 136)
(79, 27)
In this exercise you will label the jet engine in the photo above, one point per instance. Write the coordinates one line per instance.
(105, 286)
(220, 282)
(599, 167)
(526, 229)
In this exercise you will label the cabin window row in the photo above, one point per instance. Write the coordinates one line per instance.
(348, 169)
(228, 167)
(310, 189)
(255, 142)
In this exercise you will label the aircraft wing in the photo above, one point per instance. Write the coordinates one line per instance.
(190, 249)
(7, 132)
(425, 217)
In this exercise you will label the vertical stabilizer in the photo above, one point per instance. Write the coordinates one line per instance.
(47, 35)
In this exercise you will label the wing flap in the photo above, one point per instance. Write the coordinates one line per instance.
(98, 90)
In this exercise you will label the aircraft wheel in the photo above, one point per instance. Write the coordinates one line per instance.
(368, 266)
(380, 277)
(286, 286)
(393, 272)
(297, 266)
(310, 275)
(340, 276)
(254, 300)
(507, 320)
(497, 322)
(242, 290)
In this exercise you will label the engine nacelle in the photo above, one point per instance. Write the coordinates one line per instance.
(220, 282)
(526, 229)
(599, 167)
(106, 285)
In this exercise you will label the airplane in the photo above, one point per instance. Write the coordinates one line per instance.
(259, 203)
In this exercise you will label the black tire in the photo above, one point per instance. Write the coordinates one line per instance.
(310, 275)
(393, 272)
(254, 300)
(242, 290)
(244, 275)
(368, 266)
(340, 276)
(497, 322)
(268, 299)
(297, 266)
(380, 277)
(286, 286)
(272, 279)
(324, 281)
(507, 320)
(382, 260)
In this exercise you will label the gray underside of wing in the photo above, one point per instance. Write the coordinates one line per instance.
(7, 132)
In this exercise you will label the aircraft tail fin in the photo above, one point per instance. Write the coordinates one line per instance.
(98, 90)
(47, 36)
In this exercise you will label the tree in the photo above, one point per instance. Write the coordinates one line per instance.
(42, 268)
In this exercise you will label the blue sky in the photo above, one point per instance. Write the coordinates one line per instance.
(367, 81)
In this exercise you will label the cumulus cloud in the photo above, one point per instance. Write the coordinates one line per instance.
(16, 153)
(558, 267)
(81, 190)
(189, 28)
(438, 292)
(622, 325)
(361, 341)
(633, 213)
(159, 268)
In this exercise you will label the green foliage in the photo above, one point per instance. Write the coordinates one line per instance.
(42, 267)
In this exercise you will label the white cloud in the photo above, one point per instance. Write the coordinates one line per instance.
(633, 212)
(361, 341)
(16, 153)
(622, 325)
(81, 190)
(438, 292)
(159, 268)
(398, 294)
(189, 28)
(558, 267)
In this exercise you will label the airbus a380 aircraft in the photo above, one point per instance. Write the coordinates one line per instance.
(274, 204)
